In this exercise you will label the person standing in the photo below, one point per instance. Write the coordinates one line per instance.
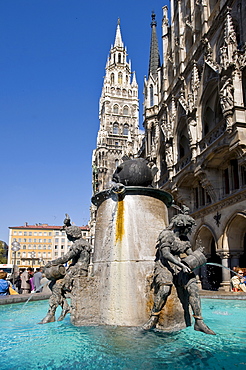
(18, 282)
(37, 280)
(31, 280)
(25, 284)
(4, 285)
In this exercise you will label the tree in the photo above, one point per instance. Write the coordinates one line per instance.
(3, 252)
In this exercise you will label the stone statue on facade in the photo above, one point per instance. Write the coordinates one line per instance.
(61, 279)
(227, 95)
(175, 261)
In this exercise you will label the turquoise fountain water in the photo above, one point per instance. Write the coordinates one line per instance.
(60, 345)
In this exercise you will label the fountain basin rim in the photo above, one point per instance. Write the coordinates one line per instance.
(162, 195)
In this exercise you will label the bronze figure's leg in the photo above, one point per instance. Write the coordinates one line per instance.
(159, 302)
(54, 301)
(65, 307)
(195, 302)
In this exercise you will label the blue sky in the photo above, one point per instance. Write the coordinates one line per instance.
(53, 56)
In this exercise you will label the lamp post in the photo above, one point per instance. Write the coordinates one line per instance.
(15, 248)
(33, 256)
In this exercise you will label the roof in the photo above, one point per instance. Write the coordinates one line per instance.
(45, 226)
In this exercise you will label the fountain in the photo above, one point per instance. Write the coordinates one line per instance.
(61, 345)
(119, 294)
(134, 283)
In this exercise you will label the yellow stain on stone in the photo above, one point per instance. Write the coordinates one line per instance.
(119, 229)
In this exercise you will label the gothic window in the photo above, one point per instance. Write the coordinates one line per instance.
(116, 163)
(231, 177)
(244, 85)
(126, 79)
(125, 129)
(112, 78)
(116, 109)
(198, 21)
(130, 92)
(151, 95)
(170, 72)
(119, 58)
(202, 197)
(115, 128)
(125, 110)
(212, 113)
(243, 175)
(183, 146)
(188, 40)
(183, 138)
(120, 78)
(212, 4)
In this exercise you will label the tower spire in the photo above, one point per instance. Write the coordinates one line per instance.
(118, 39)
(154, 60)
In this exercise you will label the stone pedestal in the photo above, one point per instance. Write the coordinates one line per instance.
(119, 293)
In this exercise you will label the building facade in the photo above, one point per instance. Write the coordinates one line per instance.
(39, 244)
(195, 124)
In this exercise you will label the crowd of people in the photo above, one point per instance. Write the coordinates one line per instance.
(27, 281)
(238, 281)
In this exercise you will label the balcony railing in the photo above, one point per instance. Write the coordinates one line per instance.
(183, 162)
(212, 136)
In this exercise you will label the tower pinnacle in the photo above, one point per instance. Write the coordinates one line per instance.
(154, 60)
(118, 39)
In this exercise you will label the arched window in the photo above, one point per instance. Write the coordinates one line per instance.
(115, 128)
(112, 78)
(188, 40)
(125, 110)
(119, 58)
(212, 113)
(212, 4)
(183, 136)
(126, 79)
(183, 146)
(125, 129)
(116, 109)
(244, 85)
(120, 78)
(151, 95)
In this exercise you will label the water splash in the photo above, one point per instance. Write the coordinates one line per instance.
(35, 291)
(219, 265)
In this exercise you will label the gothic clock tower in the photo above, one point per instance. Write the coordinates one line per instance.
(118, 135)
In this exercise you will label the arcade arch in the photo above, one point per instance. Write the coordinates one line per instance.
(235, 239)
(210, 275)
